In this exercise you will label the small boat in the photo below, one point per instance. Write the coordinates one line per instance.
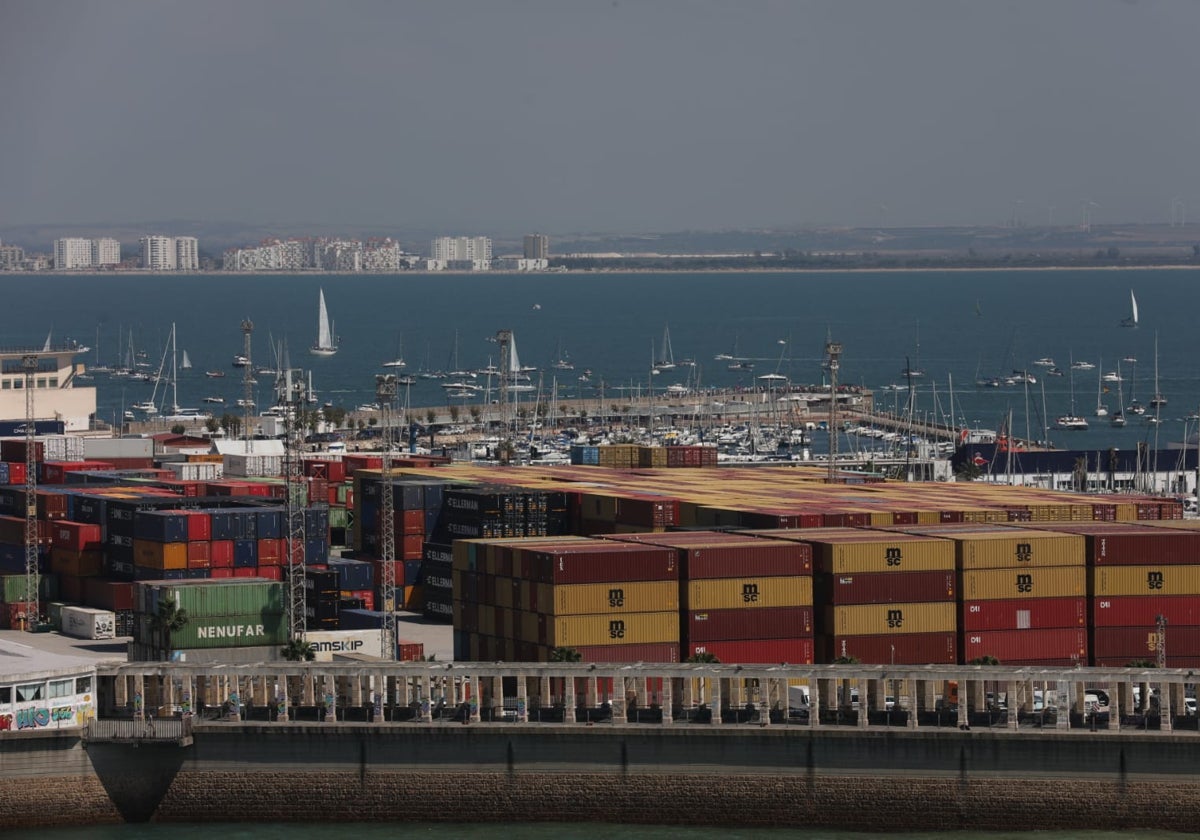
(1132, 320)
(743, 365)
(240, 361)
(1071, 422)
(1082, 366)
(1055, 371)
(1045, 361)
(406, 379)
(1130, 359)
(1111, 376)
(327, 343)
(214, 374)
(146, 407)
(1019, 376)
(214, 399)
(666, 357)
(244, 403)
(398, 360)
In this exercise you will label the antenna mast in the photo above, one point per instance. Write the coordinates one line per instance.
(247, 388)
(385, 396)
(29, 366)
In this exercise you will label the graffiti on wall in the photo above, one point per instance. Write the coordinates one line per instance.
(42, 717)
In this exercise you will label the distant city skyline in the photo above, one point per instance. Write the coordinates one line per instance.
(508, 116)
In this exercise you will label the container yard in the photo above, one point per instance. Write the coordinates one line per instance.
(629, 554)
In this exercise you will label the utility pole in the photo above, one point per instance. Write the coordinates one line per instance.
(504, 339)
(247, 388)
(833, 354)
(385, 396)
(290, 394)
(33, 612)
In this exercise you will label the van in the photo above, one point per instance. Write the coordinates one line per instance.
(337, 447)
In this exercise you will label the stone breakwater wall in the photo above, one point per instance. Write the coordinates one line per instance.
(749, 777)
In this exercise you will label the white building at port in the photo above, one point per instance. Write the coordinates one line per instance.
(187, 257)
(465, 253)
(106, 251)
(56, 395)
(158, 253)
(72, 252)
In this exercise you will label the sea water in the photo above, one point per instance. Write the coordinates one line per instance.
(957, 326)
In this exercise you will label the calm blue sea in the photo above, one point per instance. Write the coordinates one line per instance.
(955, 325)
(532, 831)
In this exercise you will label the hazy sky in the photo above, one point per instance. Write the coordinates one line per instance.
(501, 116)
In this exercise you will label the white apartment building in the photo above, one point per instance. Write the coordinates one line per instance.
(72, 252)
(106, 252)
(537, 246)
(158, 253)
(461, 249)
(186, 253)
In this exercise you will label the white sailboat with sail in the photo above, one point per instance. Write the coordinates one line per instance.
(398, 360)
(1117, 420)
(1101, 408)
(666, 356)
(1132, 320)
(517, 376)
(1071, 422)
(186, 364)
(327, 343)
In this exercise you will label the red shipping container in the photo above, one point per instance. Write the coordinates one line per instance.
(410, 521)
(412, 546)
(710, 554)
(76, 536)
(361, 462)
(318, 490)
(409, 651)
(1017, 647)
(199, 525)
(662, 652)
(1023, 614)
(220, 573)
(316, 468)
(603, 561)
(271, 552)
(16, 472)
(83, 564)
(1131, 544)
(220, 554)
(885, 587)
(797, 651)
(55, 472)
(1116, 647)
(13, 449)
(199, 555)
(248, 571)
(337, 472)
(1143, 610)
(268, 572)
(366, 595)
(10, 614)
(732, 625)
(904, 648)
(70, 588)
(103, 594)
(51, 505)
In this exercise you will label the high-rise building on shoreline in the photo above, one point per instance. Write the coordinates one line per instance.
(537, 246)
(158, 253)
(72, 252)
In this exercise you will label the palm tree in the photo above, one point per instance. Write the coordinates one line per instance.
(167, 620)
(298, 650)
(703, 657)
(565, 654)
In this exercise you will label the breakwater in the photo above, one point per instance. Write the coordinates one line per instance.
(746, 776)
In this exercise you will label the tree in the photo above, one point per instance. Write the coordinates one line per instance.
(565, 654)
(984, 660)
(298, 650)
(846, 660)
(232, 424)
(166, 620)
(430, 416)
(334, 415)
(476, 414)
(178, 429)
(968, 471)
(703, 657)
(211, 425)
(455, 412)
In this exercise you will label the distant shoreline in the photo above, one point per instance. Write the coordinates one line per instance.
(137, 272)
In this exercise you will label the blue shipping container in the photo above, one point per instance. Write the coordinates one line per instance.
(245, 554)
(353, 574)
(160, 526)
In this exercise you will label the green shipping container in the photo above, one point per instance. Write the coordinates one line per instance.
(229, 596)
(337, 517)
(249, 630)
(12, 588)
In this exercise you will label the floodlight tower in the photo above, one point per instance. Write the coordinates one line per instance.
(247, 388)
(504, 339)
(833, 354)
(291, 395)
(29, 366)
(385, 396)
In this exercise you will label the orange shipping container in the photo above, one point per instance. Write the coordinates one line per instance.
(604, 598)
(156, 555)
(883, 619)
(1053, 582)
(630, 629)
(738, 593)
(1020, 550)
(1109, 581)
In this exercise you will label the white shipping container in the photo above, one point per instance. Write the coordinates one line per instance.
(62, 448)
(251, 466)
(329, 642)
(196, 472)
(100, 449)
(88, 623)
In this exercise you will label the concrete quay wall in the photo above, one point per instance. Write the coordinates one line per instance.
(883, 781)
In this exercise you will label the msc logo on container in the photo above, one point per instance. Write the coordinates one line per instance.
(1154, 580)
(895, 619)
(1024, 583)
(616, 629)
(1024, 552)
(749, 593)
(892, 556)
(616, 597)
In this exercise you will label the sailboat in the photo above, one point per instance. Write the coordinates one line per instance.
(1134, 407)
(562, 360)
(327, 343)
(1101, 408)
(1117, 420)
(518, 378)
(186, 364)
(1158, 399)
(1072, 422)
(666, 356)
(1132, 320)
(176, 412)
(398, 361)
(911, 370)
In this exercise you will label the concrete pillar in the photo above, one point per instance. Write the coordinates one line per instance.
(864, 702)
(1165, 706)
(281, 701)
(187, 691)
(617, 701)
(1014, 711)
(522, 700)
(909, 687)
(688, 693)
(544, 693)
(329, 698)
(815, 701)
(668, 701)
(715, 701)
(308, 688)
(569, 700)
(764, 701)
(233, 697)
(497, 699)
(964, 686)
(168, 698)
(1030, 697)
(1115, 705)
(1178, 706)
(474, 684)
(593, 698)
(139, 697)
(1127, 695)
(426, 715)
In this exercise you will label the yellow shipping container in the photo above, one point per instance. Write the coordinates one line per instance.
(928, 517)
(736, 593)
(1019, 550)
(1045, 582)
(630, 629)
(606, 598)
(879, 555)
(887, 619)
(1145, 580)
(156, 555)
(527, 628)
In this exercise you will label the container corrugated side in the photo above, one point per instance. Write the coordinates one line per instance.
(733, 625)
(907, 649)
(885, 587)
(604, 598)
(1016, 647)
(1145, 580)
(1117, 647)
(1047, 582)
(662, 652)
(1024, 549)
(224, 597)
(884, 556)
(222, 631)
(1143, 610)
(1023, 614)
(749, 593)
(798, 651)
(629, 629)
(889, 619)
